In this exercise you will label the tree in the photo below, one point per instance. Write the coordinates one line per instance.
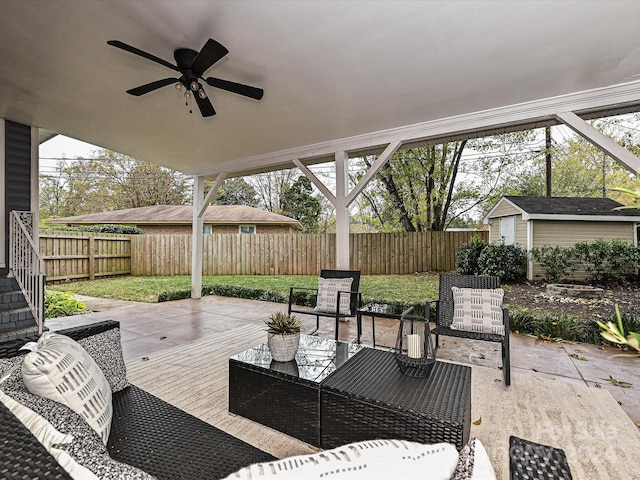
(299, 203)
(110, 181)
(236, 191)
(580, 169)
(270, 187)
(426, 188)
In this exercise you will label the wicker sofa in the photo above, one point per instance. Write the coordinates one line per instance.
(150, 438)
(146, 432)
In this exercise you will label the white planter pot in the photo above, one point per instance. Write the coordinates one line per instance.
(283, 348)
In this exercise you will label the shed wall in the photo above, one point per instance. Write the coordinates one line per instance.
(568, 233)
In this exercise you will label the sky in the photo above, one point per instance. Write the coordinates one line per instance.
(62, 147)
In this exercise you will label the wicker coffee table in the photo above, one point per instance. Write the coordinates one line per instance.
(337, 393)
(369, 398)
(286, 396)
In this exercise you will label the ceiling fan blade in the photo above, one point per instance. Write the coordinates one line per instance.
(211, 52)
(150, 87)
(233, 87)
(137, 51)
(205, 106)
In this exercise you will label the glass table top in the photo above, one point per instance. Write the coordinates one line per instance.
(385, 309)
(317, 358)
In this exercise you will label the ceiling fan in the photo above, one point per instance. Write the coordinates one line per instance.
(191, 65)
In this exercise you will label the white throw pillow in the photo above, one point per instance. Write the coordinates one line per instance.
(328, 289)
(478, 310)
(363, 460)
(59, 369)
(48, 436)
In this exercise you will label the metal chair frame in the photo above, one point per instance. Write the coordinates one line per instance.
(354, 303)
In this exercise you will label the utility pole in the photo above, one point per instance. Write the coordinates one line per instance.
(547, 134)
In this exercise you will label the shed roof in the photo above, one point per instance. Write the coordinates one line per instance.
(568, 208)
(183, 214)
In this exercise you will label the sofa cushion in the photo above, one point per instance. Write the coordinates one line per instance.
(48, 436)
(328, 289)
(478, 310)
(474, 463)
(363, 460)
(87, 448)
(106, 349)
(58, 368)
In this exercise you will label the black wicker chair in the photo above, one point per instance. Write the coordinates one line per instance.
(354, 302)
(534, 461)
(444, 314)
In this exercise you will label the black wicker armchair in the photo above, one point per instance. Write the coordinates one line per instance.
(354, 301)
(444, 314)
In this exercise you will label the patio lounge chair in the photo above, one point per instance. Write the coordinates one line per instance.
(333, 301)
(444, 314)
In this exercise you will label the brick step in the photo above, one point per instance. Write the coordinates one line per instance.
(31, 331)
(16, 319)
(8, 284)
(12, 300)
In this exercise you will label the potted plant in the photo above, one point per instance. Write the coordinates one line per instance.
(283, 336)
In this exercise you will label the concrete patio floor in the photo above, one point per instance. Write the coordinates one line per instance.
(147, 328)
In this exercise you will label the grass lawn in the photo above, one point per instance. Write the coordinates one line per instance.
(414, 288)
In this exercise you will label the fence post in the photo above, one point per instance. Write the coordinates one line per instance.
(92, 257)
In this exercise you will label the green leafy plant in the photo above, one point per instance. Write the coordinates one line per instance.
(556, 261)
(468, 255)
(615, 333)
(281, 323)
(61, 304)
(608, 261)
(505, 261)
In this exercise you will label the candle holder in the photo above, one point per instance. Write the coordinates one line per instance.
(414, 350)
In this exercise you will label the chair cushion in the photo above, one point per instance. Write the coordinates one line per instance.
(478, 310)
(363, 460)
(58, 368)
(328, 289)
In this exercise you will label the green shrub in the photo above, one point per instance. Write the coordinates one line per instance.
(226, 291)
(61, 304)
(521, 320)
(557, 262)
(120, 229)
(609, 261)
(467, 256)
(505, 261)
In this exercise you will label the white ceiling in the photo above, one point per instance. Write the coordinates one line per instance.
(330, 69)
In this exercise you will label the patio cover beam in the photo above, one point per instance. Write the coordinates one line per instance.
(600, 140)
(343, 199)
(200, 204)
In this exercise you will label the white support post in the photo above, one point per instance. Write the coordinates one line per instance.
(196, 237)
(316, 181)
(342, 211)
(200, 204)
(600, 140)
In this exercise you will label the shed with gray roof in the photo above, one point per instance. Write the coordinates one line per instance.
(563, 221)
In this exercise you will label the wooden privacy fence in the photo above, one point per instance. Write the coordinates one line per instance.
(84, 256)
(297, 254)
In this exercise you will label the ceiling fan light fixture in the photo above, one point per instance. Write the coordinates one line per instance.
(202, 94)
(178, 86)
(194, 85)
